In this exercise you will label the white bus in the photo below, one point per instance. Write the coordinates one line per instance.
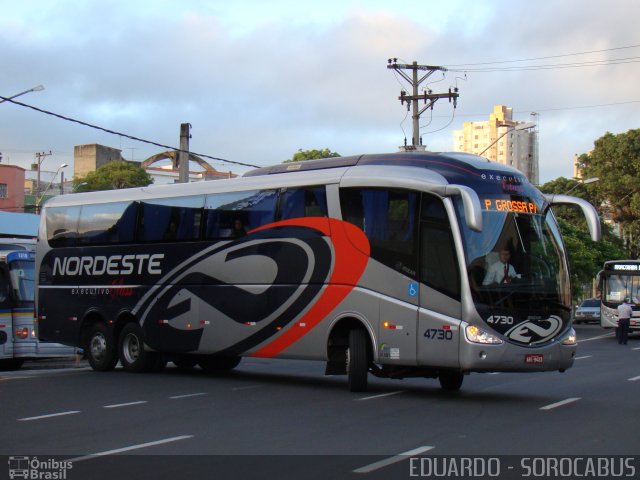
(374, 264)
(18, 337)
(619, 279)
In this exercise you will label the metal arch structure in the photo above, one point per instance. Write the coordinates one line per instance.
(173, 156)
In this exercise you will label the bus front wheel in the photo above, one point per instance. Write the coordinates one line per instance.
(450, 380)
(133, 354)
(101, 348)
(357, 361)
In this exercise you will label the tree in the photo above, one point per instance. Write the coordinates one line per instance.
(301, 155)
(615, 159)
(112, 176)
(585, 256)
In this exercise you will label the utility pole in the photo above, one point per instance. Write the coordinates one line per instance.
(183, 154)
(40, 156)
(428, 96)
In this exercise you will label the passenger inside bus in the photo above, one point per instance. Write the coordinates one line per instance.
(238, 229)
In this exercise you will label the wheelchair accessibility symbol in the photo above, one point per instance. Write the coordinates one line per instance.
(413, 289)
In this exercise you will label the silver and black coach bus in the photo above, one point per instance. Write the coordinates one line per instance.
(380, 264)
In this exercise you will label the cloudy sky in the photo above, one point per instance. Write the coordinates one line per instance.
(259, 80)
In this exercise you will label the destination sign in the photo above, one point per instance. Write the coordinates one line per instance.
(515, 206)
(633, 268)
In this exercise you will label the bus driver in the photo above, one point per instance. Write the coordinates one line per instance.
(501, 271)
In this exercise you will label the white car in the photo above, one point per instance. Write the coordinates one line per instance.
(588, 311)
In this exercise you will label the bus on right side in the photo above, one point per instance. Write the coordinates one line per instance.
(619, 279)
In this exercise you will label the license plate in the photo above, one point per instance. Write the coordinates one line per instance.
(535, 358)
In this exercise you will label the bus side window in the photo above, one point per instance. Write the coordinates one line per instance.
(171, 219)
(62, 226)
(303, 202)
(107, 223)
(388, 218)
(253, 208)
(439, 264)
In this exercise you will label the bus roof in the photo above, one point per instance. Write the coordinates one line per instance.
(408, 167)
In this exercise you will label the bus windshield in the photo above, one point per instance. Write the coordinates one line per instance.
(620, 286)
(22, 281)
(517, 263)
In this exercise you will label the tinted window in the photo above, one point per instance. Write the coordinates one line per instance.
(107, 223)
(171, 219)
(591, 303)
(388, 219)
(439, 266)
(303, 202)
(233, 214)
(62, 226)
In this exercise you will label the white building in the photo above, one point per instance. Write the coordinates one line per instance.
(502, 140)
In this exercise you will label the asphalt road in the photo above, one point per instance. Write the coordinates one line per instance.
(285, 419)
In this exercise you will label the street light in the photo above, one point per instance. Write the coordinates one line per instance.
(41, 196)
(521, 126)
(37, 88)
(582, 182)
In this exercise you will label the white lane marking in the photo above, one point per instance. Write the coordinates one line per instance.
(236, 389)
(633, 379)
(391, 460)
(560, 404)
(381, 395)
(187, 395)
(596, 338)
(118, 405)
(40, 417)
(584, 356)
(637, 348)
(129, 448)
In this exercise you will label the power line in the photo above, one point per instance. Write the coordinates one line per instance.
(576, 107)
(544, 58)
(553, 66)
(113, 132)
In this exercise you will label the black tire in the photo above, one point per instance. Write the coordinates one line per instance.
(213, 363)
(101, 348)
(186, 362)
(357, 361)
(450, 380)
(11, 364)
(134, 357)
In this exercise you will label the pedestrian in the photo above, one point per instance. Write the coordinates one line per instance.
(625, 313)
(79, 356)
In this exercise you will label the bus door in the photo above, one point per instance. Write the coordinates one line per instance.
(6, 317)
(21, 267)
(439, 332)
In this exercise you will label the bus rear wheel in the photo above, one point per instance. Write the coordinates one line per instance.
(132, 352)
(101, 348)
(450, 380)
(357, 361)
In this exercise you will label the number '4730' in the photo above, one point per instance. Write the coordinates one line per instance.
(438, 334)
(500, 320)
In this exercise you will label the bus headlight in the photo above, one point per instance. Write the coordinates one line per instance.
(477, 335)
(571, 338)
